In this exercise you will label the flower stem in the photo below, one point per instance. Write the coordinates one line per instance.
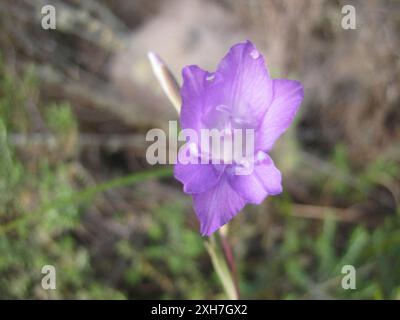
(221, 268)
(229, 258)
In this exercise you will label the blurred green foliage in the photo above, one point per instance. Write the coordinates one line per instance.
(308, 262)
(169, 260)
(31, 237)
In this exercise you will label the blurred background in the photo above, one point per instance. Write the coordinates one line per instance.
(76, 103)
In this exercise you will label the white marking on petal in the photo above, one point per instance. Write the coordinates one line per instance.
(222, 108)
(254, 54)
(260, 156)
(210, 77)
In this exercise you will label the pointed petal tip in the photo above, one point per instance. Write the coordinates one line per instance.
(208, 233)
(155, 60)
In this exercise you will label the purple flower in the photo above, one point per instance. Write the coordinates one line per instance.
(240, 95)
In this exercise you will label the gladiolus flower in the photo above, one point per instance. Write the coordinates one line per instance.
(240, 94)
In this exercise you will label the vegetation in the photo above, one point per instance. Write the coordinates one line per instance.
(77, 193)
(284, 249)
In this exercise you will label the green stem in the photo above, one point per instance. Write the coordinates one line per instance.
(230, 260)
(220, 265)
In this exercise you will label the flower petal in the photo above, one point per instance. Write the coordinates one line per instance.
(288, 95)
(265, 180)
(243, 83)
(193, 94)
(196, 177)
(217, 206)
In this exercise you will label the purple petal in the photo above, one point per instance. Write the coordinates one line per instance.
(243, 83)
(217, 206)
(288, 95)
(264, 181)
(196, 178)
(193, 94)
